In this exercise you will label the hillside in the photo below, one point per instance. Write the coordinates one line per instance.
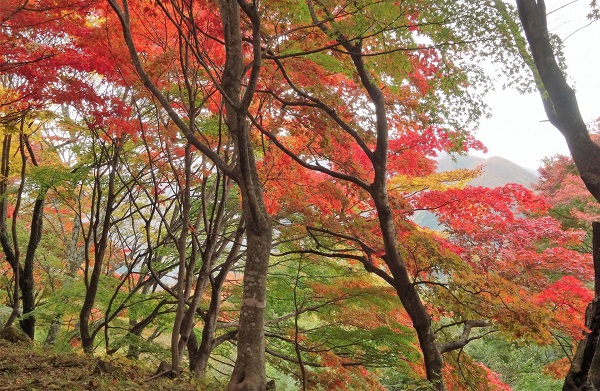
(24, 366)
(497, 171)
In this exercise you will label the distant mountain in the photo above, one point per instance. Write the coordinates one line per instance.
(497, 171)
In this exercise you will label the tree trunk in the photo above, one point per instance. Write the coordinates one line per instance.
(27, 280)
(23, 275)
(182, 281)
(249, 372)
(202, 353)
(73, 263)
(584, 374)
(199, 355)
(407, 293)
(102, 223)
(10, 245)
(560, 104)
(53, 330)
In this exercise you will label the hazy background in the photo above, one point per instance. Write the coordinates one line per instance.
(518, 129)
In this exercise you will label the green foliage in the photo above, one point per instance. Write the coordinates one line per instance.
(351, 320)
(520, 366)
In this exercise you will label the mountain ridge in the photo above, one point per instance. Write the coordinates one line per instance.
(497, 171)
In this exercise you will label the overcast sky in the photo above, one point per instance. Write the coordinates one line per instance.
(518, 129)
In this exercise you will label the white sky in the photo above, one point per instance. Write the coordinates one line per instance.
(518, 129)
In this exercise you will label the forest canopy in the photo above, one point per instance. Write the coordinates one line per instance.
(231, 187)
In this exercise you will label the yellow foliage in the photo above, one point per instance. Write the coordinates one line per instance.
(437, 181)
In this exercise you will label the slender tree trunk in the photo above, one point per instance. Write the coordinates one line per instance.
(10, 246)
(199, 355)
(73, 263)
(101, 227)
(133, 349)
(73, 256)
(23, 275)
(407, 293)
(199, 364)
(53, 330)
(27, 280)
(406, 290)
(202, 354)
(209, 256)
(182, 281)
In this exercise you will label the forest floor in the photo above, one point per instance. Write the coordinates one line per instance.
(24, 366)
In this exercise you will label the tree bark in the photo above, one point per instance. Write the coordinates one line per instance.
(27, 280)
(406, 290)
(199, 355)
(407, 293)
(10, 245)
(584, 373)
(249, 372)
(560, 104)
(23, 275)
(182, 282)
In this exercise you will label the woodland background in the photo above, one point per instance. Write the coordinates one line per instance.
(240, 190)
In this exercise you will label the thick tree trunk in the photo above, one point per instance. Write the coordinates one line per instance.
(563, 112)
(584, 374)
(249, 372)
(559, 99)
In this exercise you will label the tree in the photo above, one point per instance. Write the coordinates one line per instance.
(361, 101)
(560, 104)
(193, 125)
(37, 70)
(249, 372)
(23, 274)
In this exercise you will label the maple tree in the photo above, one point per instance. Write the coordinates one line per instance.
(23, 273)
(561, 185)
(249, 372)
(206, 147)
(396, 136)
